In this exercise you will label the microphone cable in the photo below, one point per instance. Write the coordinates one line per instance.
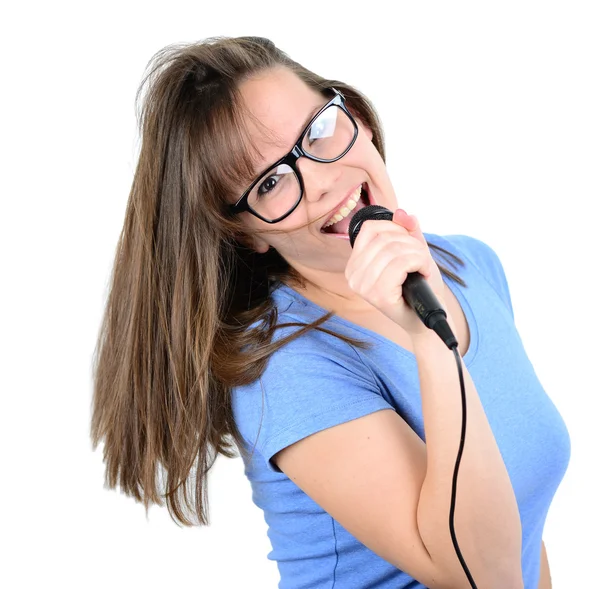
(463, 431)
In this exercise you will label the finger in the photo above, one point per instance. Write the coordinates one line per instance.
(363, 257)
(386, 289)
(371, 228)
(408, 254)
(410, 223)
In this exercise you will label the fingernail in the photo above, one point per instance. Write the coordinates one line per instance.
(403, 211)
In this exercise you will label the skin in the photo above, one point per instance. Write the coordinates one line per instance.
(545, 581)
(365, 280)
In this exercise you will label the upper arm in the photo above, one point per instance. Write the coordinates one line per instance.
(367, 474)
(318, 415)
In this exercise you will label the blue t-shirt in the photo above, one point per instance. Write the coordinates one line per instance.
(319, 381)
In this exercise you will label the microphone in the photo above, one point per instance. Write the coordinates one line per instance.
(415, 290)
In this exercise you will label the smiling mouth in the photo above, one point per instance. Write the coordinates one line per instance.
(340, 221)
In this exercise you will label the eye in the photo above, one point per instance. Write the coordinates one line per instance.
(268, 185)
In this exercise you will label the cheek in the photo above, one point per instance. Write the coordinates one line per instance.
(367, 133)
(366, 156)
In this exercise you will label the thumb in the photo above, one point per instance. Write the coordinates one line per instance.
(410, 223)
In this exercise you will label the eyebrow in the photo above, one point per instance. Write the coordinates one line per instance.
(313, 112)
(307, 120)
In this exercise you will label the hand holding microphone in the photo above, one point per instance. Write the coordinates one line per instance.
(391, 268)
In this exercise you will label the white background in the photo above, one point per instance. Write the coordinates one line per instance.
(491, 114)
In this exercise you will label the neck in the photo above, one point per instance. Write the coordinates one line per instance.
(333, 294)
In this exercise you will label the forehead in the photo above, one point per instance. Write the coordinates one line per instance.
(279, 105)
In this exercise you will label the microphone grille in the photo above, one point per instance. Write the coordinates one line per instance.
(369, 213)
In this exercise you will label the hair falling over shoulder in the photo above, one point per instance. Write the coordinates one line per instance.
(184, 291)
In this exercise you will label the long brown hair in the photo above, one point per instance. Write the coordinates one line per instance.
(185, 287)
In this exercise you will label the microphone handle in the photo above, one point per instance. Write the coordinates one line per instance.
(419, 296)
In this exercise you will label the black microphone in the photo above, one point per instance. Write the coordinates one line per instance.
(415, 289)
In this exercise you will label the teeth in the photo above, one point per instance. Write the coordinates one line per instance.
(346, 208)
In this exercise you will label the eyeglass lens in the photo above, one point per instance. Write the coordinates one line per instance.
(278, 190)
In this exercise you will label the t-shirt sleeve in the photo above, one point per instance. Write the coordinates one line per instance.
(314, 382)
(487, 262)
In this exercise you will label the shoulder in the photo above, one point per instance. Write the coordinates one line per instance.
(313, 382)
(479, 255)
(476, 251)
(311, 357)
(311, 354)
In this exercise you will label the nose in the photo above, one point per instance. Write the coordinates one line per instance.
(319, 178)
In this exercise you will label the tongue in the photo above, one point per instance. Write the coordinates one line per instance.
(342, 226)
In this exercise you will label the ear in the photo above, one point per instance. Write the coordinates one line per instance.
(253, 242)
(259, 245)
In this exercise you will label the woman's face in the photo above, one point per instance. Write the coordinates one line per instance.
(283, 104)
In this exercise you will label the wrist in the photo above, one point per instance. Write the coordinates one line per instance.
(427, 335)
(424, 338)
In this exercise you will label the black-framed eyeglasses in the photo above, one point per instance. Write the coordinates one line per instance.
(278, 190)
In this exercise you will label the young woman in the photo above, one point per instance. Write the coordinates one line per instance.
(240, 316)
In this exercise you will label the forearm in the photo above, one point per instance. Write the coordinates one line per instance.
(545, 580)
(486, 517)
